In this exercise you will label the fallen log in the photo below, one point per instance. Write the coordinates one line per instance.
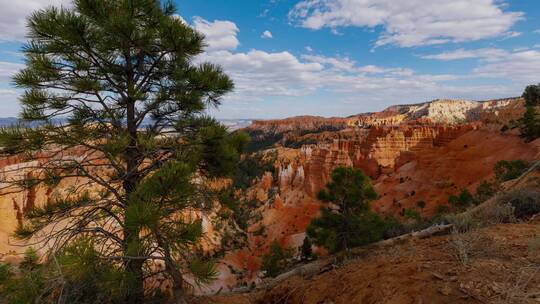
(320, 265)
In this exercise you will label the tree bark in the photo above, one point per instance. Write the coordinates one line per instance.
(135, 293)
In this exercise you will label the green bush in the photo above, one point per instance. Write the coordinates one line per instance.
(75, 275)
(5, 273)
(462, 201)
(410, 213)
(507, 170)
(441, 209)
(276, 260)
(484, 191)
(526, 202)
(30, 259)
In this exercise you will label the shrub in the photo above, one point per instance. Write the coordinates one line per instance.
(411, 214)
(526, 202)
(464, 245)
(484, 191)
(421, 204)
(462, 201)
(507, 170)
(74, 275)
(30, 259)
(276, 260)
(441, 209)
(462, 222)
(499, 213)
(5, 273)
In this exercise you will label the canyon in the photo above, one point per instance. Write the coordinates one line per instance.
(419, 152)
(422, 152)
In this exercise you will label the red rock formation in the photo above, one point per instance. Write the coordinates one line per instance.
(412, 152)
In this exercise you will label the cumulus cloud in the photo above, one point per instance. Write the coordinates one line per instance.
(344, 64)
(309, 49)
(8, 69)
(266, 35)
(13, 16)
(220, 34)
(413, 22)
(484, 53)
(521, 67)
(260, 75)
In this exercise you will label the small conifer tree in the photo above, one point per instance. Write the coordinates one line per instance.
(346, 220)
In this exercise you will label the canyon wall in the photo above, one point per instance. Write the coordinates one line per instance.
(421, 152)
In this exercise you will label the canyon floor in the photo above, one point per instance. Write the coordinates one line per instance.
(503, 266)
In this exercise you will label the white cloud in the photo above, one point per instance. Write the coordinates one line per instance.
(537, 31)
(344, 64)
(537, 46)
(8, 69)
(13, 16)
(266, 34)
(260, 76)
(412, 22)
(258, 73)
(220, 34)
(484, 53)
(521, 67)
(309, 49)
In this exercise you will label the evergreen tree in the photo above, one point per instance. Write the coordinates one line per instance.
(346, 219)
(119, 102)
(532, 95)
(530, 124)
(276, 260)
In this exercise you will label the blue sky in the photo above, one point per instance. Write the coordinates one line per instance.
(341, 57)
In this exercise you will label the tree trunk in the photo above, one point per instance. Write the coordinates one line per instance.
(135, 292)
(134, 267)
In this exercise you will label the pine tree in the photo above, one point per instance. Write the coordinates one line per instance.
(346, 219)
(530, 124)
(276, 260)
(531, 94)
(119, 103)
